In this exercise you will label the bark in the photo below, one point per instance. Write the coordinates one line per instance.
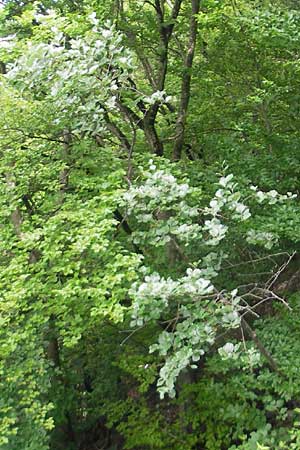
(172, 249)
(130, 115)
(186, 83)
(53, 346)
(152, 137)
(165, 33)
(53, 355)
(247, 329)
(291, 285)
(16, 215)
(118, 9)
(156, 80)
(2, 68)
(116, 131)
(148, 70)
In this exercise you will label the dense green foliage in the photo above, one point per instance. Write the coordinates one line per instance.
(150, 225)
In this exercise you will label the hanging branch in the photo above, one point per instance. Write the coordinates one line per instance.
(245, 327)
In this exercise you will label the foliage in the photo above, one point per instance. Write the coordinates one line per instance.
(129, 249)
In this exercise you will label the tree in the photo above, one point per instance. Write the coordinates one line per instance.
(122, 230)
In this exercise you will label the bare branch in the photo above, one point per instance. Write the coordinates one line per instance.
(32, 136)
(278, 273)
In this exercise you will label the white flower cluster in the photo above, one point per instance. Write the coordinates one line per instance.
(230, 351)
(231, 319)
(216, 230)
(262, 238)
(271, 197)
(162, 204)
(158, 97)
(194, 284)
(152, 297)
(160, 187)
(168, 374)
(211, 264)
(199, 313)
(249, 357)
(187, 344)
(81, 79)
(225, 197)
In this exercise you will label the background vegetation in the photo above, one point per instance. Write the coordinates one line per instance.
(133, 136)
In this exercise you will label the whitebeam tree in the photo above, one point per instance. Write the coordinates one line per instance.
(194, 309)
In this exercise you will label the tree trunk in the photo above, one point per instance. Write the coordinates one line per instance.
(186, 83)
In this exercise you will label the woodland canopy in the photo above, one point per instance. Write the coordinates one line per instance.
(149, 263)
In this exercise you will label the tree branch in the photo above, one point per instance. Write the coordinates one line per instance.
(165, 32)
(252, 335)
(130, 114)
(116, 131)
(186, 82)
(32, 136)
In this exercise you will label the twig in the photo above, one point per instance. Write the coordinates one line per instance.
(33, 136)
(256, 260)
(281, 269)
(130, 335)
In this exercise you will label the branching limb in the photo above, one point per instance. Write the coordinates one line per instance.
(116, 131)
